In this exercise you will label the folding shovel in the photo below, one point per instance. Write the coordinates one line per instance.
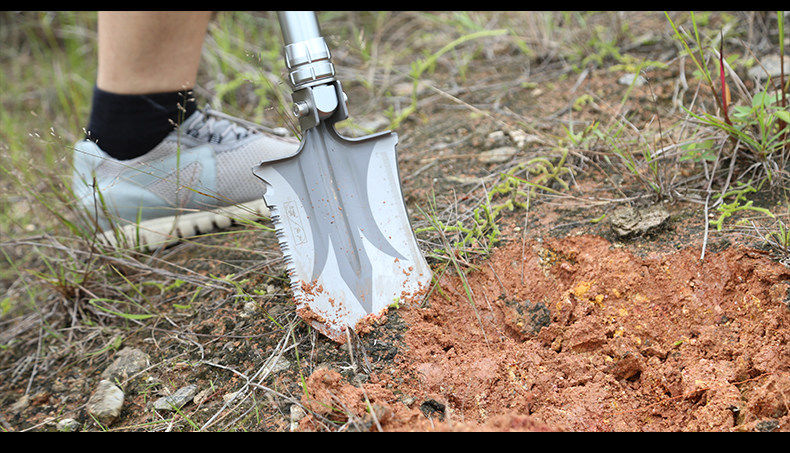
(336, 203)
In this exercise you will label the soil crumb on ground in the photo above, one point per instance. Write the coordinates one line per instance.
(579, 334)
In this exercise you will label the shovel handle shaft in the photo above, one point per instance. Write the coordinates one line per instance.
(298, 26)
(307, 56)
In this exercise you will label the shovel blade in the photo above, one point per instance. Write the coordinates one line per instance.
(342, 225)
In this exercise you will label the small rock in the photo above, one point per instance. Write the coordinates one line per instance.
(408, 400)
(106, 402)
(463, 180)
(177, 400)
(280, 364)
(432, 408)
(766, 426)
(21, 404)
(68, 425)
(297, 413)
(202, 396)
(128, 362)
(628, 79)
(769, 67)
(525, 317)
(248, 309)
(497, 155)
(629, 221)
(522, 139)
(229, 397)
(496, 138)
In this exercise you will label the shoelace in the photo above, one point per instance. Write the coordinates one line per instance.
(212, 121)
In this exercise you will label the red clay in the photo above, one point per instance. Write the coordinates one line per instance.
(583, 335)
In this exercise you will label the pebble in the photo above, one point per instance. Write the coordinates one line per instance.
(248, 309)
(229, 397)
(21, 404)
(297, 413)
(497, 155)
(128, 362)
(496, 138)
(628, 79)
(280, 364)
(769, 66)
(522, 139)
(627, 221)
(177, 400)
(106, 402)
(463, 180)
(68, 425)
(202, 396)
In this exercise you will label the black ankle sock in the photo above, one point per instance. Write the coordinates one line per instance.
(126, 126)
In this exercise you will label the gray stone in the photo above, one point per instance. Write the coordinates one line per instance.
(177, 400)
(522, 139)
(628, 79)
(497, 155)
(68, 425)
(463, 180)
(496, 138)
(106, 402)
(202, 396)
(21, 404)
(629, 221)
(297, 413)
(280, 364)
(766, 426)
(248, 309)
(128, 362)
(230, 397)
(769, 67)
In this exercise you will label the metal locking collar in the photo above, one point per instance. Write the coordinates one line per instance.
(309, 63)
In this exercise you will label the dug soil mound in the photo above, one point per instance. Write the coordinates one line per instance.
(579, 334)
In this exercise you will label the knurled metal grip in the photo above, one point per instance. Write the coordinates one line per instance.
(309, 63)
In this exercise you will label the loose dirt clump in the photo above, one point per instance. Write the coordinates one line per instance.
(662, 342)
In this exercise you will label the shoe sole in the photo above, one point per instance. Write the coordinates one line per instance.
(164, 231)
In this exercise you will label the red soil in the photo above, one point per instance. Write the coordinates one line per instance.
(581, 335)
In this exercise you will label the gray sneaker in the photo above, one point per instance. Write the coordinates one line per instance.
(197, 179)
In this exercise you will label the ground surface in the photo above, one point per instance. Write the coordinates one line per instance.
(555, 323)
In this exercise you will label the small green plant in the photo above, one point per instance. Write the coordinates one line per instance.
(515, 189)
(738, 203)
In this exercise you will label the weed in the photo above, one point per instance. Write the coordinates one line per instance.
(738, 203)
(515, 188)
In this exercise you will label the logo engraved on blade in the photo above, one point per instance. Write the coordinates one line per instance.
(292, 214)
